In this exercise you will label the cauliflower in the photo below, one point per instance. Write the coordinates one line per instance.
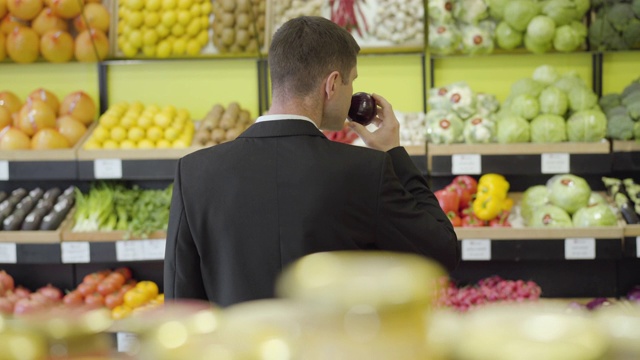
(479, 130)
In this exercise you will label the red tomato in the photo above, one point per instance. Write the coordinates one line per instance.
(73, 298)
(502, 220)
(116, 278)
(466, 181)
(86, 289)
(94, 300)
(448, 200)
(472, 221)
(124, 271)
(114, 299)
(93, 278)
(454, 218)
(106, 287)
(126, 287)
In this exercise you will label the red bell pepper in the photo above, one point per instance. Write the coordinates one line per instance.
(448, 200)
(472, 221)
(502, 220)
(464, 194)
(454, 218)
(466, 181)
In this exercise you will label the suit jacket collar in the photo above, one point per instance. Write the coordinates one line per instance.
(278, 128)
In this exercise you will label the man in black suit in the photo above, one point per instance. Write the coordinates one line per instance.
(243, 210)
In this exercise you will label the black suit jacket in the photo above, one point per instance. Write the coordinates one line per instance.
(243, 210)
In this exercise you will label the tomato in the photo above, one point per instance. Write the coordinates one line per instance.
(149, 288)
(502, 220)
(86, 289)
(114, 299)
(132, 282)
(124, 271)
(125, 288)
(120, 312)
(455, 219)
(448, 200)
(106, 287)
(93, 278)
(135, 298)
(116, 278)
(94, 300)
(466, 181)
(472, 221)
(73, 298)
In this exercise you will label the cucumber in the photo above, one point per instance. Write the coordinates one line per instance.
(34, 219)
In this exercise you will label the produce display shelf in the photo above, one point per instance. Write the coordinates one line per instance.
(632, 241)
(515, 244)
(40, 164)
(519, 159)
(518, 51)
(626, 155)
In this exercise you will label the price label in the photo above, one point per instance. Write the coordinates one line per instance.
(4, 170)
(130, 250)
(638, 246)
(555, 163)
(580, 249)
(127, 342)
(75, 252)
(476, 249)
(154, 249)
(466, 164)
(8, 253)
(107, 169)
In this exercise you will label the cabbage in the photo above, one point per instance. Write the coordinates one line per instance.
(496, 8)
(550, 216)
(470, 11)
(545, 74)
(440, 10)
(548, 129)
(636, 130)
(438, 98)
(462, 100)
(567, 39)
(443, 39)
(594, 215)
(580, 28)
(568, 81)
(507, 37)
(476, 40)
(582, 6)
(487, 104)
(479, 130)
(525, 106)
(582, 98)
(518, 13)
(446, 129)
(561, 11)
(541, 29)
(569, 192)
(533, 198)
(535, 47)
(596, 198)
(526, 86)
(587, 125)
(553, 101)
(513, 129)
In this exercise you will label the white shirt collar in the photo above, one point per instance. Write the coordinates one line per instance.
(284, 117)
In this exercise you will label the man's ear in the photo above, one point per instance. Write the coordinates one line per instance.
(331, 84)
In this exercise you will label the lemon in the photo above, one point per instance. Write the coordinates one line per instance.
(149, 50)
(146, 144)
(137, 107)
(189, 127)
(162, 120)
(153, 109)
(154, 133)
(184, 114)
(92, 144)
(120, 27)
(149, 37)
(169, 4)
(110, 144)
(135, 133)
(169, 18)
(134, 4)
(135, 39)
(170, 110)
(177, 30)
(108, 121)
(163, 50)
(203, 37)
(116, 113)
(127, 144)
(179, 47)
(195, 11)
(184, 17)
(126, 122)
(144, 122)
(204, 22)
(171, 133)
(135, 19)
(153, 5)
(162, 31)
(151, 19)
(205, 8)
(184, 4)
(193, 47)
(163, 144)
(100, 134)
(118, 133)
(193, 28)
(129, 50)
(180, 143)
(123, 13)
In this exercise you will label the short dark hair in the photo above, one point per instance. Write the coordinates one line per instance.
(306, 49)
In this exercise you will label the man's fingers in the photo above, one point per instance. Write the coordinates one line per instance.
(360, 130)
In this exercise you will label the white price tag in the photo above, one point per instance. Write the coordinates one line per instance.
(580, 248)
(476, 249)
(8, 253)
(107, 169)
(75, 252)
(638, 246)
(130, 250)
(154, 249)
(466, 164)
(555, 163)
(127, 342)
(4, 170)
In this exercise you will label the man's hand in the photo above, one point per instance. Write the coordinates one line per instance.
(387, 135)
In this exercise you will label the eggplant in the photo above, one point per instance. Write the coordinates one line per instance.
(45, 203)
(36, 194)
(26, 204)
(10, 203)
(13, 221)
(626, 209)
(19, 192)
(70, 191)
(52, 194)
(3, 195)
(34, 219)
(54, 218)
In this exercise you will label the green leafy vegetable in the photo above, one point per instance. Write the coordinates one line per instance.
(507, 37)
(513, 129)
(587, 126)
(548, 129)
(553, 101)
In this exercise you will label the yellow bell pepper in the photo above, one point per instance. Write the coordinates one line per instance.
(487, 207)
(491, 197)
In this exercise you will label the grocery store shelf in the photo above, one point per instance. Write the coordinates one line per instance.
(519, 159)
(493, 233)
(626, 155)
(631, 244)
(41, 164)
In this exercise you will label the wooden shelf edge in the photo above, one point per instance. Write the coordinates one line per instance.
(613, 232)
(519, 149)
(626, 146)
(106, 236)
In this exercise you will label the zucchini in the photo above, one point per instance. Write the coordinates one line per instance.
(3, 195)
(54, 218)
(34, 219)
(52, 194)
